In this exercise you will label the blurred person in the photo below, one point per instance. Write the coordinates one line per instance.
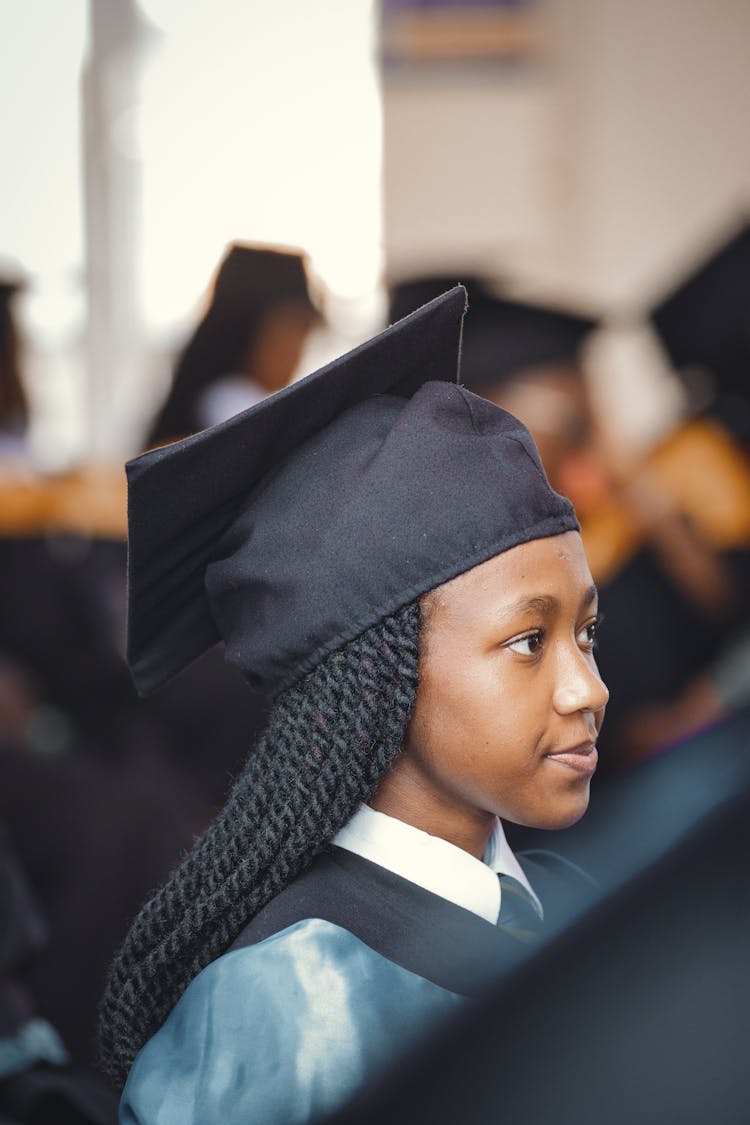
(703, 323)
(662, 564)
(100, 793)
(13, 404)
(39, 1082)
(57, 581)
(671, 563)
(67, 715)
(62, 607)
(416, 597)
(82, 500)
(93, 834)
(61, 611)
(248, 344)
(529, 361)
(96, 799)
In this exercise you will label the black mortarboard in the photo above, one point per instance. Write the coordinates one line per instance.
(705, 321)
(294, 526)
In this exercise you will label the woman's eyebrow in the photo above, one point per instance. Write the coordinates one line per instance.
(546, 605)
(590, 596)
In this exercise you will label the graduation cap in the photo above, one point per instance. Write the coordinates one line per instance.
(502, 338)
(704, 323)
(253, 275)
(293, 527)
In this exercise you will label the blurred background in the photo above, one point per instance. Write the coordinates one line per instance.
(204, 201)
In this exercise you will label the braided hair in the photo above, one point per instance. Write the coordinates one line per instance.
(330, 739)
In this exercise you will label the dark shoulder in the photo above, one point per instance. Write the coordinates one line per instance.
(557, 866)
(563, 887)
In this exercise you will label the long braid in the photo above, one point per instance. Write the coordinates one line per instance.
(328, 742)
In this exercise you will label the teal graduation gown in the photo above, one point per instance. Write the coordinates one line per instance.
(339, 975)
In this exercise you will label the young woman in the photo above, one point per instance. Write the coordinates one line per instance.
(382, 550)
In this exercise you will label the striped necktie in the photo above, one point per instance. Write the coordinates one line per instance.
(518, 914)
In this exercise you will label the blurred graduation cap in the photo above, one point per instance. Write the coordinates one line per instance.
(510, 338)
(503, 338)
(704, 324)
(411, 293)
(252, 275)
(294, 526)
(12, 282)
(12, 277)
(9, 287)
(13, 405)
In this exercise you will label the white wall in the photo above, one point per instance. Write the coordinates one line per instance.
(467, 170)
(657, 93)
(598, 169)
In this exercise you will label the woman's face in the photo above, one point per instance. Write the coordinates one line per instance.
(510, 700)
(276, 350)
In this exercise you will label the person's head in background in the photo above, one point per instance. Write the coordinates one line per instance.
(248, 344)
(13, 405)
(525, 358)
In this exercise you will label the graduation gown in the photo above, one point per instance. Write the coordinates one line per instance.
(333, 980)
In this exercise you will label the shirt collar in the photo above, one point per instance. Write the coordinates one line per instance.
(433, 863)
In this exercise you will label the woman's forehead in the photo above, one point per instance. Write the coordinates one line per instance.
(537, 574)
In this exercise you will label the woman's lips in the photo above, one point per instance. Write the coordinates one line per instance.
(582, 759)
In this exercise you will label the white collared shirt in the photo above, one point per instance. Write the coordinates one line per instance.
(433, 863)
(226, 397)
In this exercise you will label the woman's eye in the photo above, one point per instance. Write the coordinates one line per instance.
(528, 645)
(587, 635)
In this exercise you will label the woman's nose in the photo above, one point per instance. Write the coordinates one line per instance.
(579, 686)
